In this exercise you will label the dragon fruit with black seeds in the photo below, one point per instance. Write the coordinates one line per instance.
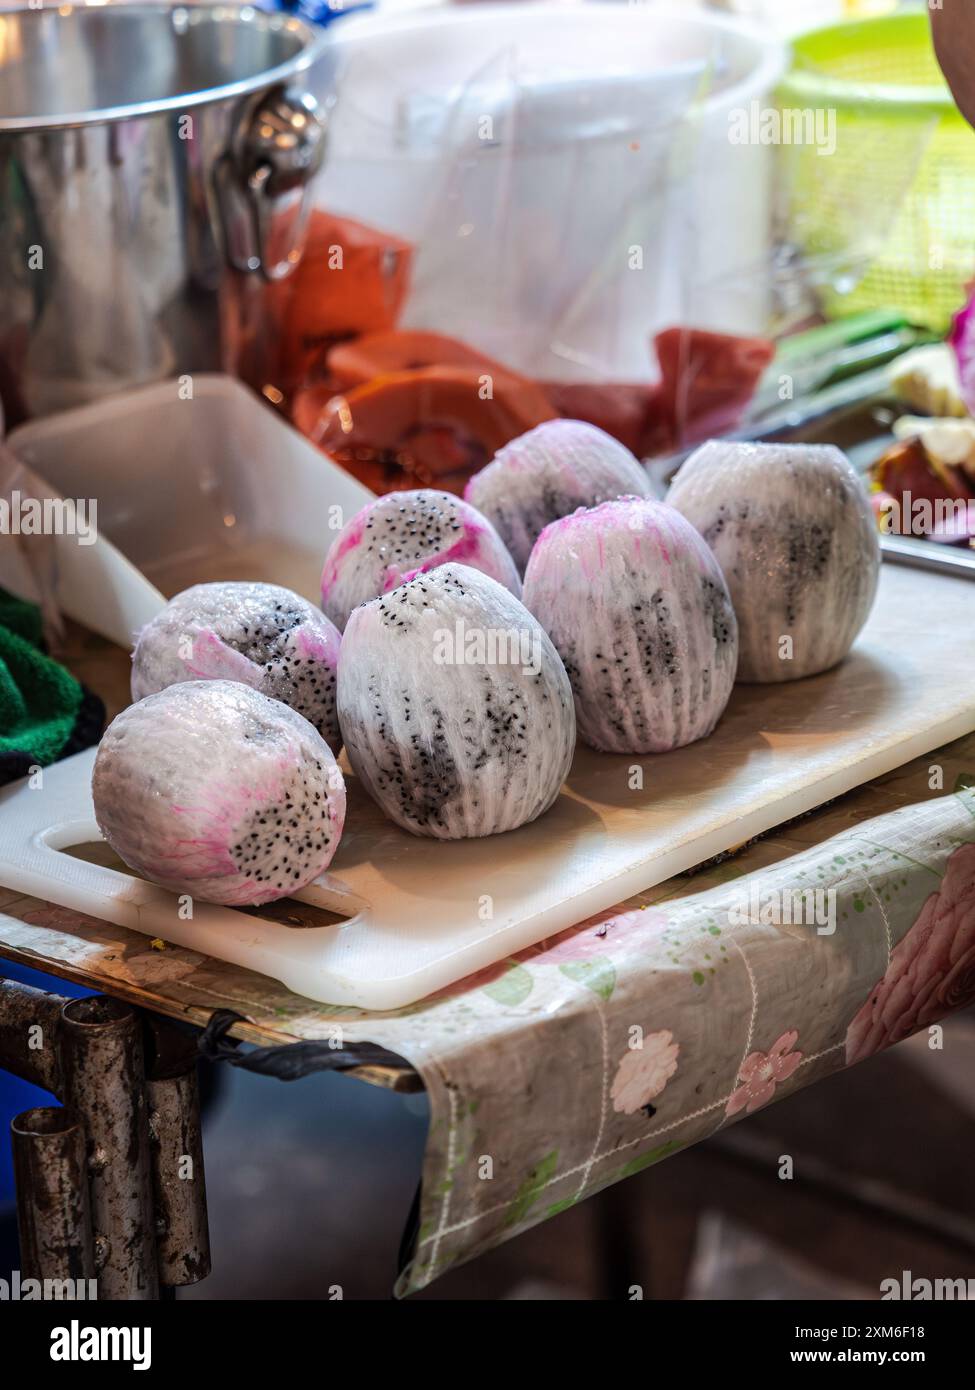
(404, 534)
(638, 609)
(455, 708)
(212, 789)
(260, 634)
(794, 533)
(549, 472)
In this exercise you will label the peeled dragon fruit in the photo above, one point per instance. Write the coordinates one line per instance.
(455, 707)
(404, 534)
(214, 790)
(639, 611)
(546, 474)
(260, 634)
(794, 533)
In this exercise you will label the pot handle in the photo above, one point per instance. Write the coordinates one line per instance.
(276, 149)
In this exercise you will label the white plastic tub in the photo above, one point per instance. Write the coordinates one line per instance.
(525, 150)
(214, 487)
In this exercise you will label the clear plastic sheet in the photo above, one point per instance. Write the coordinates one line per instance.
(614, 213)
(532, 207)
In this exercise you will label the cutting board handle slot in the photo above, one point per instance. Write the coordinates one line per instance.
(328, 897)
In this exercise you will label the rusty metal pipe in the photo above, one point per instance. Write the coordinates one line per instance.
(104, 1081)
(176, 1151)
(53, 1216)
(30, 1028)
(179, 1188)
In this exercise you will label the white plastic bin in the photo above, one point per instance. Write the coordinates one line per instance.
(189, 490)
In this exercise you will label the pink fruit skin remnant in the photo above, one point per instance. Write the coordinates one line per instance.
(468, 548)
(351, 539)
(213, 660)
(209, 856)
(962, 341)
(318, 646)
(609, 518)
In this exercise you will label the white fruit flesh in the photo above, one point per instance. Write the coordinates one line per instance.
(639, 611)
(546, 474)
(260, 634)
(214, 790)
(455, 707)
(405, 534)
(793, 531)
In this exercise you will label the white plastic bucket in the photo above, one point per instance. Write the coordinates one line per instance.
(564, 172)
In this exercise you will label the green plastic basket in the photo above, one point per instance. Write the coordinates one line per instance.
(888, 220)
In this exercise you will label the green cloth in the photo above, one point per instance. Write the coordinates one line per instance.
(45, 714)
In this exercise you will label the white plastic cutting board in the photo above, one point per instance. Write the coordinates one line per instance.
(415, 908)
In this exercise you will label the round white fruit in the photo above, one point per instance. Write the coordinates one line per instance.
(638, 609)
(404, 534)
(260, 634)
(793, 531)
(212, 789)
(455, 708)
(546, 474)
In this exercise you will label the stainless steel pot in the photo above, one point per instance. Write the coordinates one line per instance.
(155, 164)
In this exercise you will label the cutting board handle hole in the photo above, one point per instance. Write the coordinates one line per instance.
(286, 912)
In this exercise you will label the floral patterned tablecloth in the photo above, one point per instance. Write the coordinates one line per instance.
(620, 1042)
(625, 1040)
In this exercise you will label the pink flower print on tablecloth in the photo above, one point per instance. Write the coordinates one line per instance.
(932, 968)
(761, 1072)
(594, 939)
(643, 1072)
